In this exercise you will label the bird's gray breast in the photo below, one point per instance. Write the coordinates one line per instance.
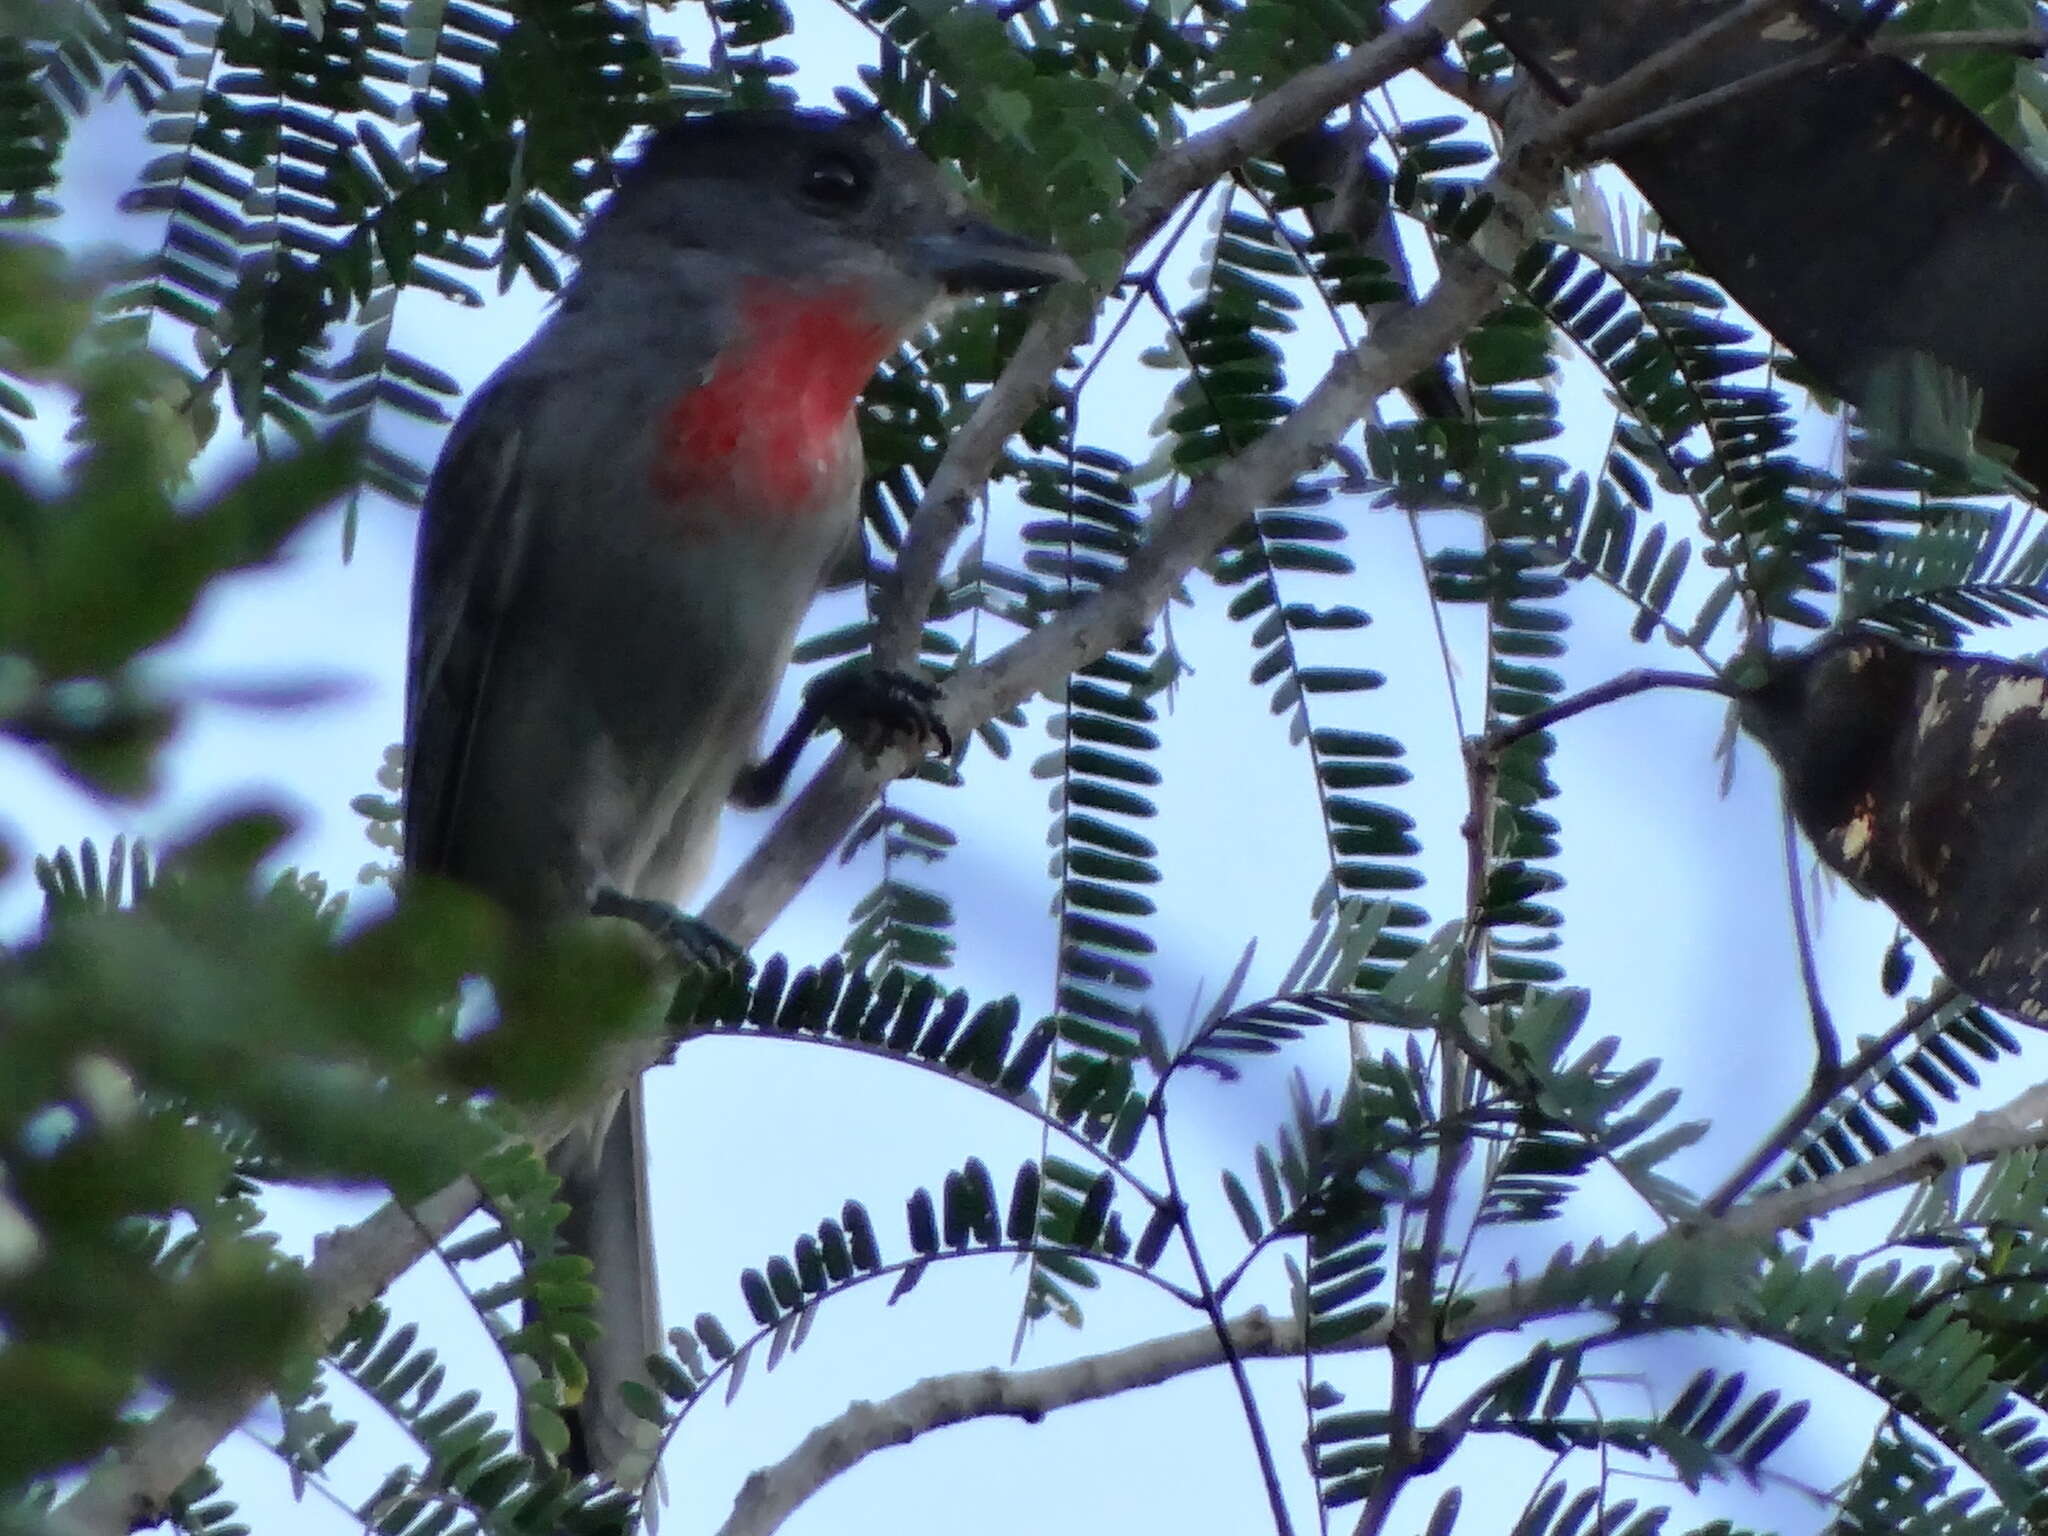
(686, 610)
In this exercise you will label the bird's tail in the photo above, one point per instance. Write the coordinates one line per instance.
(603, 1170)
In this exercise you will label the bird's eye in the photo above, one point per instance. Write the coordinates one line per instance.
(837, 182)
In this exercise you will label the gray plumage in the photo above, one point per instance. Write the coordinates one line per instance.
(619, 542)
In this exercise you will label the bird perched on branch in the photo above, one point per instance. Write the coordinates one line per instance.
(617, 545)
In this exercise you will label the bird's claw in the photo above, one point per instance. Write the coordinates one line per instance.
(692, 941)
(876, 708)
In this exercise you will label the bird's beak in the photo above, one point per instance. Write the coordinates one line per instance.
(976, 257)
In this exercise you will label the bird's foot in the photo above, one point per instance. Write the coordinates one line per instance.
(876, 708)
(692, 941)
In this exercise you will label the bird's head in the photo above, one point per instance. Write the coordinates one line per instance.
(821, 202)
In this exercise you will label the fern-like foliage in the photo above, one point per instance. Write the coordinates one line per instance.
(1717, 1427)
(1905, 1486)
(1271, 39)
(1559, 1511)
(1516, 575)
(1098, 1112)
(1052, 142)
(389, 165)
(1655, 333)
(2003, 88)
(470, 1471)
(1099, 770)
(1968, 567)
(1897, 1095)
(900, 1014)
(74, 883)
(1894, 1333)
(1585, 1110)
(969, 1218)
(1230, 345)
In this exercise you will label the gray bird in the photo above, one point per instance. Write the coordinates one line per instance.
(619, 541)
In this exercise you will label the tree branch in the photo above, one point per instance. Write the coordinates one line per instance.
(1827, 1044)
(1626, 686)
(1620, 98)
(1485, 97)
(355, 1264)
(770, 1496)
(1063, 322)
(1221, 1329)
(1824, 1089)
(2019, 1124)
(2028, 41)
(773, 1494)
(350, 1269)
(1607, 145)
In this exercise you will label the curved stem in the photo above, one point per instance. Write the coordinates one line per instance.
(1822, 1090)
(767, 1331)
(1211, 1303)
(1629, 684)
(770, 1496)
(1827, 1046)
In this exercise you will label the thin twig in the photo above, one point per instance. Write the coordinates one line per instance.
(1827, 1046)
(1614, 102)
(1454, 1425)
(2018, 1125)
(1255, 1424)
(1485, 97)
(2030, 41)
(727, 1371)
(1404, 1401)
(1413, 1343)
(1605, 146)
(770, 1496)
(1822, 1091)
(1642, 680)
(350, 1269)
(1436, 621)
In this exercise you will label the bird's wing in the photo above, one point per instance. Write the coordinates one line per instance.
(474, 532)
(848, 566)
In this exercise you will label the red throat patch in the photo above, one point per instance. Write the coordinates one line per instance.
(772, 424)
